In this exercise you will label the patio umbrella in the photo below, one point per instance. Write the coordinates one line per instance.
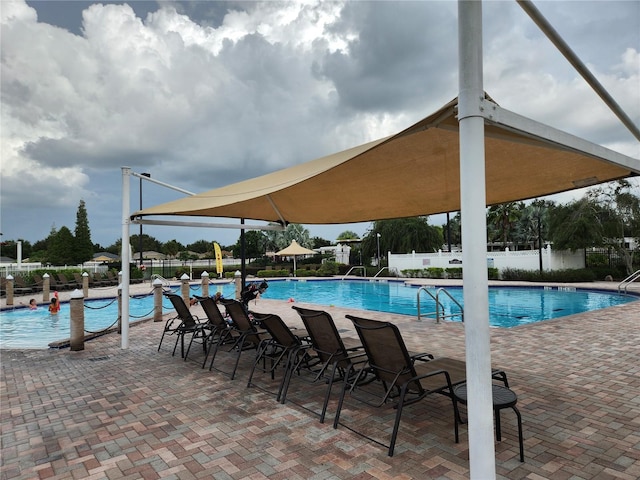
(102, 258)
(295, 249)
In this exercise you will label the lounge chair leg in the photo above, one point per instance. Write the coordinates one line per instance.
(336, 419)
(175, 346)
(235, 367)
(284, 385)
(213, 355)
(259, 354)
(396, 424)
(189, 347)
(328, 393)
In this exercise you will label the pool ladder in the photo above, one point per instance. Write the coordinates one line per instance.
(164, 281)
(357, 267)
(439, 307)
(624, 284)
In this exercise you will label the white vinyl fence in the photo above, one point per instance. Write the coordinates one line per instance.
(520, 260)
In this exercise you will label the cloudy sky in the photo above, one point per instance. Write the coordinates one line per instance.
(205, 93)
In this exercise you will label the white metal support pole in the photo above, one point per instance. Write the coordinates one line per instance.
(124, 256)
(474, 245)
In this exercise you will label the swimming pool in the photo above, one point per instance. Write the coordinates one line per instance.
(508, 306)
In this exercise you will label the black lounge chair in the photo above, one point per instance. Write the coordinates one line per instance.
(285, 348)
(189, 324)
(99, 280)
(246, 335)
(80, 280)
(61, 282)
(218, 331)
(20, 286)
(38, 281)
(335, 355)
(405, 379)
(55, 284)
(112, 278)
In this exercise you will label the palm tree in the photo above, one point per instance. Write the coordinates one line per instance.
(501, 220)
(279, 239)
(532, 227)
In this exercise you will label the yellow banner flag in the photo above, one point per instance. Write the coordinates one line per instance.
(218, 252)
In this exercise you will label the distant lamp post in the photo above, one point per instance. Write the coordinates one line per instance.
(539, 244)
(378, 241)
(448, 234)
(148, 175)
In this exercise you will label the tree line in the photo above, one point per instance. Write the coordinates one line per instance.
(601, 218)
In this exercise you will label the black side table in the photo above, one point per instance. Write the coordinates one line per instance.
(503, 397)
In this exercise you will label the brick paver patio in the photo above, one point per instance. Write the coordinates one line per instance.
(109, 413)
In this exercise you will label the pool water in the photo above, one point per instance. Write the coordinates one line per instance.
(508, 306)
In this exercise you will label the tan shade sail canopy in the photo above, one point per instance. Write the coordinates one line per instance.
(415, 172)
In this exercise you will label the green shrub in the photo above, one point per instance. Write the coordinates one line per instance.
(617, 272)
(273, 273)
(561, 276)
(454, 272)
(410, 273)
(434, 272)
(302, 272)
(327, 269)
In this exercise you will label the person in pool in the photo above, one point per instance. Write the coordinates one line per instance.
(54, 306)
(32, 304)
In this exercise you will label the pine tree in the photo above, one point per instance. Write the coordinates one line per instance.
(83, 245)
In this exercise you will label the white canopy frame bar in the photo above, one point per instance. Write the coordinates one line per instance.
(581, 68)
(171, 223)
(277, 210)
(495, 114)
(158, 182)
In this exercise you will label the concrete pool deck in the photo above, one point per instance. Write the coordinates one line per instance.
(109, 413)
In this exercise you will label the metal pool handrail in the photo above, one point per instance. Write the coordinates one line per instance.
(628, 281)
(380, 271)
(439, 305)
(164, 281)
(364, 269)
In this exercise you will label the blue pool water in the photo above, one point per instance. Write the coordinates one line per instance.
(508, 306)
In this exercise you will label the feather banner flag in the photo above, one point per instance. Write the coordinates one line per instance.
(218, 252)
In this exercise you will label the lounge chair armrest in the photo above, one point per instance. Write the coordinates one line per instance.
(448, 386)
(423, 357)
(357, 356)
(354, 349)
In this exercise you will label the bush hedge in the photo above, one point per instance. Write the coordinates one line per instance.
(567, 276)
